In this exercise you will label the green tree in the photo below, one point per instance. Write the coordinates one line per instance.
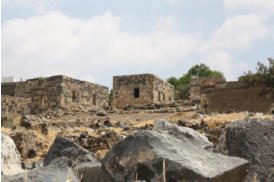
(182, 84)
(264, 74)
(110, 95)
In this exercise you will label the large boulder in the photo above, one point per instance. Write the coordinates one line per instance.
(251, 139)
(183, 133)
(10, 157)
(63, 147)
(140, 156)
(59, 170)
(84, 161)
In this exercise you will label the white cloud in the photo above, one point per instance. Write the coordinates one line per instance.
(238, 33)
(220, 60)
(266, 6)
(56, 44)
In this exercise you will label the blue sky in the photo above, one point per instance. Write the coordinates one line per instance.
(94, 40)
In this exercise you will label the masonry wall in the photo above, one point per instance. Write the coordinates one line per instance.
(151, 90)
(237, 96)
(45, 93)
(81, 95)
(57, 92)
(163, 92)
(15, 89)
(197, 84)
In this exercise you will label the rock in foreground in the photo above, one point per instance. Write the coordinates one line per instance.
(183, 133)
(141, 155)
(84, 162)
(59, 170)
(10, 157)
(62, 147)
(251, 139)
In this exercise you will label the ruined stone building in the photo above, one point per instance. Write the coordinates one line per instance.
(220, 96)
(141, 90)
(198, 84)
(58, 92)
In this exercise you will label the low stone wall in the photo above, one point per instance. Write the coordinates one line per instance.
(237, 96)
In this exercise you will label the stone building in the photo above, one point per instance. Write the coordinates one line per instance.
(141, 90)
(59, 92)
(217, 95)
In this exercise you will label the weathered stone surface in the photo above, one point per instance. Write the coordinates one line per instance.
(92, 172)
(141, 154)
(58, 171)
(10, 157)
(27, 122)
(63, 147)
(252, 139)
(28, 144)
(51, 93)
(136, 91)
(185, 134)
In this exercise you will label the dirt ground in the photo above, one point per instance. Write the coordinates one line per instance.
(79, 127)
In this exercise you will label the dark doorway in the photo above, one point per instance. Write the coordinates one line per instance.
(73, 96)
(136, 93)
(94, 99)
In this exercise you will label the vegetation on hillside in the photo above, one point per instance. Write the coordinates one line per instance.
(182, 84)
(110, 95)
(263, 75)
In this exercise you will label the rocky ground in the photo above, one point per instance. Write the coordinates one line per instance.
(98, 132)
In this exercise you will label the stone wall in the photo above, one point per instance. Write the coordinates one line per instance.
(237, 96)
(10, 104)
(82, 95)
(58, 92)
(197, 84)
(140, 90)
(16, 89)
(45, 93)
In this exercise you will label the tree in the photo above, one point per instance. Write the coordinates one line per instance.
(110, 95)
(264, 74)
(182, 84)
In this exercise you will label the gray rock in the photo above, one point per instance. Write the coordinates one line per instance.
(251, 139)
(141, 154)
(63, 147)
(10, 157)
(92, 172)
(6, 122)
(58, 171)
(26, 122)
(184, 134)
(101, 113)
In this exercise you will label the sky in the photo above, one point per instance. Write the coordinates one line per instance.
(95, 40)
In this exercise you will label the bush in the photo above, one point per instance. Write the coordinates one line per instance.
(264, 75)
(182, 84)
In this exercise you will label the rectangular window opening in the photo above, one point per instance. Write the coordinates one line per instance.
(94, 99)
(136, 93)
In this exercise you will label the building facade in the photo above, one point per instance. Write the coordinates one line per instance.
(141, 90)
(59, 92)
